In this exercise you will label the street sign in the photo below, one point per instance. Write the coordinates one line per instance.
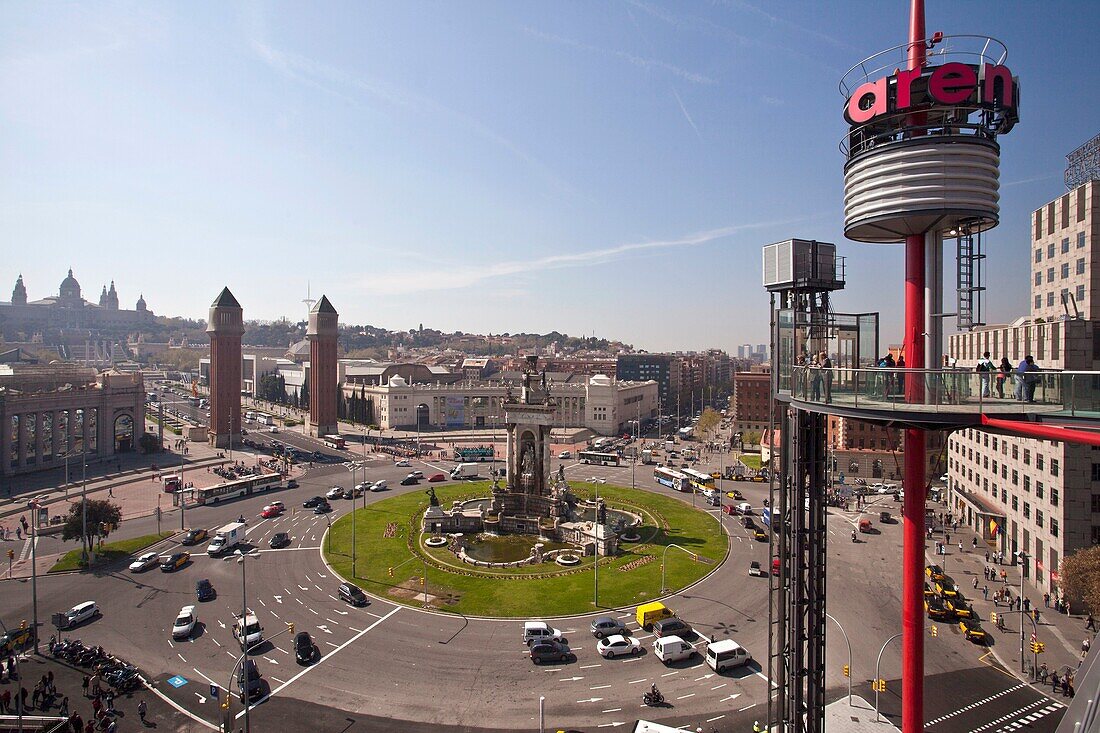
(177, 681)
(214, 692)
(58, 620)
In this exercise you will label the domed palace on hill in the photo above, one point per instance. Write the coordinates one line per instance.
(68, 309)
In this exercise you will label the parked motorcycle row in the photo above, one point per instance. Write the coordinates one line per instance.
(118, 674)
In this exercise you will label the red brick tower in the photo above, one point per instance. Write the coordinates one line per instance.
(323, 387)
(226, 327)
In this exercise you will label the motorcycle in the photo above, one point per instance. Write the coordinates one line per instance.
(653, 698)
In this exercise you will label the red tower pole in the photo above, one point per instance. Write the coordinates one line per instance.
(912, 594)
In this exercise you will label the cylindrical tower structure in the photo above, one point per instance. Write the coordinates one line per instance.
(323, 388)
(226, 328)
(922, 160)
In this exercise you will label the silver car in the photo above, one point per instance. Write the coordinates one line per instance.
(607, 626)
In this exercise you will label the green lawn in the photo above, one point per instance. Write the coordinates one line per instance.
(109, 552)
(752, 460)
(546, 589)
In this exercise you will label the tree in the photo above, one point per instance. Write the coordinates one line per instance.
(101, 513)
(707, 421)
(1080, 573)
(303, 395)
(750, 437)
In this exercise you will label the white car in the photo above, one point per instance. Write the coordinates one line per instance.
(404, 463)
(334, 493)
(143, 563)
(618, 645)
(417, 474)
(378, 485)
(565, 454)
(184, 624)
(274, 430)
(365, 486)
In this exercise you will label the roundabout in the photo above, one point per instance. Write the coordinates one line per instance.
(512, 575)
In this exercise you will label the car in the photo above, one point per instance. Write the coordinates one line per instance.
(248, 679)
(565, 454)
(184, 623)
(204, 591)
(550, 650)
(270, 511)
(759, 534)
(403, 463)
(353, 594)
(756, 570)
(353, 492)
(744, 508)
(292, 484)
(379, 485)
(946, 587)
(618, 645)
(716, 475)
(672, 626)
(278, 505)
(274, 430)
(305, 651)
(607, 626)
(410, 480)
(436, 478)
(144, 562)
(175, 561)
(934, 572)
(16, 640)
(417, 474)
(80, 613)
(364, 486)
(279, 539)
(935, 608)
(312, 502)
(536, 631)
(334, 493)
(322, 508)
(748, 523)
(959, 607)
(194, 537)
(972, 629)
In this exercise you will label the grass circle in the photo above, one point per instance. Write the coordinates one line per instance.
(393, 563)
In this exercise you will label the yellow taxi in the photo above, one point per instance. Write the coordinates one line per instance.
(959, 606)
(735, 494)
(972, 629)
(759, 534)
(946, 587)
(16, 640)
(934, 572)
(716, 475)
(935, 608)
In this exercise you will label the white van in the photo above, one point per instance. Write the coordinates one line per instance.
(672, 649)
(726, 654)
(535, 631)
(248, 631)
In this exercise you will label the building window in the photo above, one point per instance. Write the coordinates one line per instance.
(1039, 518)
(1015, 477)
(1027, 483)
(1039, 254)
(1053, 466)
(1038, 301)
(1096, 472)
(1080, 241)
(1096, 535)
(1038, 278)
(1050, 251)
(1004, 497)
(1039, 461)
(1080, 292)
(1096, 503)
(1027, 510)
(1050, 274)
(1054, 496)
(1065, 245)
(1065, 270)
(1080, 265)
(1027, 457)
(1015, 502)
(1050, 299)
(1053, 527)
(1015, 452)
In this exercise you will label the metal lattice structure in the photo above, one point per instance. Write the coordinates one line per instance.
(1083, 164)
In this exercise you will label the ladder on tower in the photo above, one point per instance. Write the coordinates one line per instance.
(969, 258)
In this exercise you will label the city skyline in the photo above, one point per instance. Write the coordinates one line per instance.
(578, 167)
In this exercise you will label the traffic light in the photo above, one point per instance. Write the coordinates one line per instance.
(935, 630)
(11, 554)
(1038, 647)
(290, 627)
(23, 624)
(992, 617)
(878, 685)
(225, 705)
(847, 671)
(390, 572)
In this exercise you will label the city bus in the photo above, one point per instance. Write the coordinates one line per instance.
(602, 459)
(334, 441)
(699, 480)
(474, 454)
(238, 488)
(671, 478)
(172, 483)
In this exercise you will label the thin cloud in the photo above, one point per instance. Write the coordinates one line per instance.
(686, 115)
(639, 61)
(464, 276)
(1035, 179)
(777, 20)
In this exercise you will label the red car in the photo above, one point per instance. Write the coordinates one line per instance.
(271, 511)
(436, 478)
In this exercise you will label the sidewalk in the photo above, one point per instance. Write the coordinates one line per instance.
(1061, 633)
(859, 717)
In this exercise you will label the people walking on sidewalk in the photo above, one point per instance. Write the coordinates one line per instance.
(1090, 622)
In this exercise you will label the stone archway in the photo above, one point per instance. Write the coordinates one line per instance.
(423, 417)
(124, 433)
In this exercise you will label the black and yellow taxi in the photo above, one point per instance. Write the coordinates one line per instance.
(735, 494)
(972, 629)
(759, 534)
(929, 592)
(175, 561)
(946, 587)
(959, 606)
(935, 608)
(16, 640)
(194, 537)
(934, 572)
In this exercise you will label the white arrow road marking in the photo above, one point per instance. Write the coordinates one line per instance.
(302, 587)
(342, 613)
(273, 661)
(591, 699)
(221, 623)
(321, 575)
(570, 679)
(202, 699)
(324, 628)
(278, 599)
(704, 677)
(615, 724)
(599, 687)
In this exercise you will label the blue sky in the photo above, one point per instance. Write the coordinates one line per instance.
(609, 168)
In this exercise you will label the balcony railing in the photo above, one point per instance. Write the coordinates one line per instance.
(946, 391)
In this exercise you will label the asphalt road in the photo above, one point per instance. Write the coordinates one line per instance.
(387, 662)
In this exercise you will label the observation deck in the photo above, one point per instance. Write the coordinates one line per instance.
(948, 398)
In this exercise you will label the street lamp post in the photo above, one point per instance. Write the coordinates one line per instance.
(244, 632)
(18, 699)
(34, 572)
(84, 509)
(1021, 557)
(664, 559)
(596, 551)
(877, 661)
(845, 633)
